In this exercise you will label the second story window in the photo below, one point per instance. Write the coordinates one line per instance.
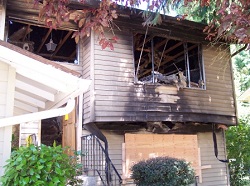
(160, 60)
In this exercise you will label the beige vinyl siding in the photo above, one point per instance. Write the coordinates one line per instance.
(85, 52)
(115, 140)
(118, 99)
(217, 175)
(7, 77)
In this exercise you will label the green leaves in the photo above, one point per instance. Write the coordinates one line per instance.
(42, 165)
(238, 149)
(163, 171)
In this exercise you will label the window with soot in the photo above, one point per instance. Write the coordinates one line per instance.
(160, 60)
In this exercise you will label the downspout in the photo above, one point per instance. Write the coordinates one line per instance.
(38, 115)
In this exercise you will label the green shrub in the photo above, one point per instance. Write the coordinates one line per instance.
(238, 149)
(163, 171)
(39, 166)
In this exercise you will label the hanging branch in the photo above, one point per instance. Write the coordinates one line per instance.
(230, 22)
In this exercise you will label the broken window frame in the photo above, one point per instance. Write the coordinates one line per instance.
(200, 84)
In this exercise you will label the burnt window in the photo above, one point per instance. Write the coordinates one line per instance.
(160, 60)
(35, 39)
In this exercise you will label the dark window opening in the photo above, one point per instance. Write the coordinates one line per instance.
(167, 61)
(34, 39)
(51, 131)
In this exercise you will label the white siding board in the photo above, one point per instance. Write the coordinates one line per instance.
(27, 129)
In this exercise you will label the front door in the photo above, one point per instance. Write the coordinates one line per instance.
(69, 132)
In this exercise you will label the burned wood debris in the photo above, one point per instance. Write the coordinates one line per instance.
(167, 61)
(177, 79)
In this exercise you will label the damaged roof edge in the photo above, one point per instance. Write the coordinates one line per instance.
(39, 58)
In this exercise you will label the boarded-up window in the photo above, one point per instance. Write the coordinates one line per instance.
(144, 146)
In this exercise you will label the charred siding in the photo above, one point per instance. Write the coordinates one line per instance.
(118, 99)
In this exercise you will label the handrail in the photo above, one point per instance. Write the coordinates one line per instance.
(88, 142)
(107, 156)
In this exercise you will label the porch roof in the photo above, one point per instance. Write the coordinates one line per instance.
(40, 84)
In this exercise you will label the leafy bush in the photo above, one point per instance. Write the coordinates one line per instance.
(39, 166)
(163, 171)
(238, 149)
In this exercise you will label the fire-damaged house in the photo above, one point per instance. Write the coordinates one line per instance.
(162, 91)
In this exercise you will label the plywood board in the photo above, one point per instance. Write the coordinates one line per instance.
(144, 146)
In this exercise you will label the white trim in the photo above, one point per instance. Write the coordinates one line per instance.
(38, 115)
(79, 123)
(24, 106)
(83, 86)
(28, 99)
(10, 91)
(35, 90)
(47, 80)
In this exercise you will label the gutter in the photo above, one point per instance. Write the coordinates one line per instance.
(238, 51)
(38, 115)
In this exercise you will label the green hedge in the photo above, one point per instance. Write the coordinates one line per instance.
(163, 171)
(39, 166)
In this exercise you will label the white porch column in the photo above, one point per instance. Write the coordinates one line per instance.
(7, 87)
(2, 18)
